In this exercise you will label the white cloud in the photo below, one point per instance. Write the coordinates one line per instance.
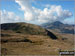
(54, 13)
(8, 17)
(50, 13)
(27, 8)
(25, 4)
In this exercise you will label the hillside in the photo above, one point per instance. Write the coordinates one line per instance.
(59, 27)
(24, 39)
(23, 28)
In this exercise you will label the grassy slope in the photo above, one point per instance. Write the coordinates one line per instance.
(30, 39)
(24, 28)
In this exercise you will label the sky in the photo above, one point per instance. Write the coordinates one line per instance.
(37, 11)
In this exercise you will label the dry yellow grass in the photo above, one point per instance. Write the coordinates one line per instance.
(40, 45)
(25, 43)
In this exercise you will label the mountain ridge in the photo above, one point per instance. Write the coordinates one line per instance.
(25, 28)
(62, 28)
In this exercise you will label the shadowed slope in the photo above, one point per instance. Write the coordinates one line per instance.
(51, 35)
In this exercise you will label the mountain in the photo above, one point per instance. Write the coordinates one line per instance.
(30, 39)
(25, 28)
(60, 27)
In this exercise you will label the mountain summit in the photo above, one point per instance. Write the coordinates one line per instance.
(60, 27)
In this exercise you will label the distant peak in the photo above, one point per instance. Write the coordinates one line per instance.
(58, 22)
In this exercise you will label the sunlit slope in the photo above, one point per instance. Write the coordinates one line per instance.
(24, 38)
